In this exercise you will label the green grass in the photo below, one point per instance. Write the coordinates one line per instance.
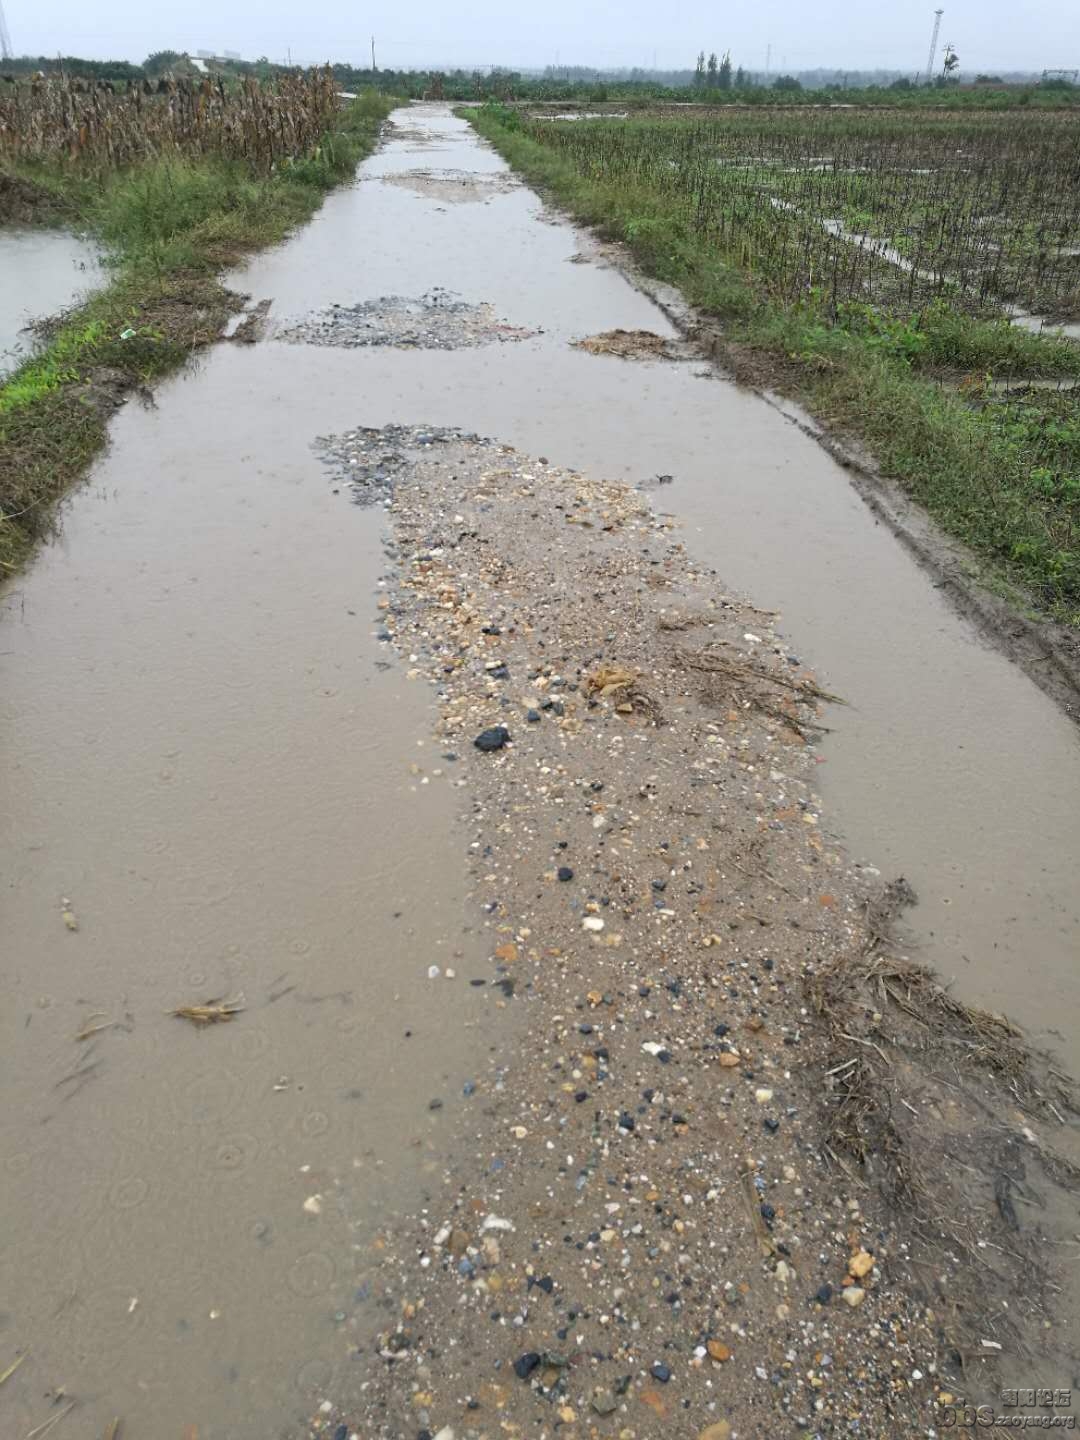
(1003, 476)
(169, 228)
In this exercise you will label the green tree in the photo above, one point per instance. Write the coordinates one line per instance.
(740, 78)
(711, 78)
(787, 82)
(699, 71)
(723, 78)
(161, 60)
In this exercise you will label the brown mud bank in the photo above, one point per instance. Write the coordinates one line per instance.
(745, 1165)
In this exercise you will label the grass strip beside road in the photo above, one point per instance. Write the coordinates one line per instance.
(169, 227)
(1002, 475)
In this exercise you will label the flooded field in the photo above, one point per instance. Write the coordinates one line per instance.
(41, 273)
(219, 781)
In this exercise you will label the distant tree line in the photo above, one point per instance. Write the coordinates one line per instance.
(114, 70)
(712, 75)
(713, 80)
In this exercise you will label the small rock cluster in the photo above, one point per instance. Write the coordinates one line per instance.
(435, 321)
(369, 461)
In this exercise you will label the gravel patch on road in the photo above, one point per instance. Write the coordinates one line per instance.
(665, 1217)
(435, 321)
(459, 187)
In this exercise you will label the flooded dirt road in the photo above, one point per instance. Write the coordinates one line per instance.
(41, 272)
(214, 764)
(947, 766)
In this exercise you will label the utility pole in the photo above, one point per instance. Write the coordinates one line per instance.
(6, 51)
(768, 60)
(933, 46)
(373, 54)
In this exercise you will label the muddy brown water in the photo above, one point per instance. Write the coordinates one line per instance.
(41, 272)
(207, 756)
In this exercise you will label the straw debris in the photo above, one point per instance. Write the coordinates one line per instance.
(210, 1012)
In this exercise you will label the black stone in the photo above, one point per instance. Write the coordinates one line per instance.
(661, 1373)
(525, 1364)
(493, 739)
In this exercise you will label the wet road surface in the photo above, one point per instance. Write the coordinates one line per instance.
(206, 757)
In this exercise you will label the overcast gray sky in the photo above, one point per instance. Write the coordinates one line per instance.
(989, 34)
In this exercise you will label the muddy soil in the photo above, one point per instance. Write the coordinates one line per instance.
(230, 770)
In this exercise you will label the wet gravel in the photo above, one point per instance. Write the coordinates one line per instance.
(369, 462)
(437, 320)
(642, 1234)
(457, 187)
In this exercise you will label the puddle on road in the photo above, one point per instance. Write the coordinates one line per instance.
(43, 272)
(202, 756)
(205, 757)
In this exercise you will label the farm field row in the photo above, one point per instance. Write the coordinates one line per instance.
(894, 208)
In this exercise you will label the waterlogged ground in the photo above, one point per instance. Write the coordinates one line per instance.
(41, 272)
(228, 776)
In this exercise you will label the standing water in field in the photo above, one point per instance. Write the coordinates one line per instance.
(220, 786)
(41, 273)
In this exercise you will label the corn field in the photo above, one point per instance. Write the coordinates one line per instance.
(889, 208)
(95, 126)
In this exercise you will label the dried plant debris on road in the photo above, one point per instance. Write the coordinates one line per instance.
(741, 1167)
(210, 1012)
(633, 345)
(435, 321)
